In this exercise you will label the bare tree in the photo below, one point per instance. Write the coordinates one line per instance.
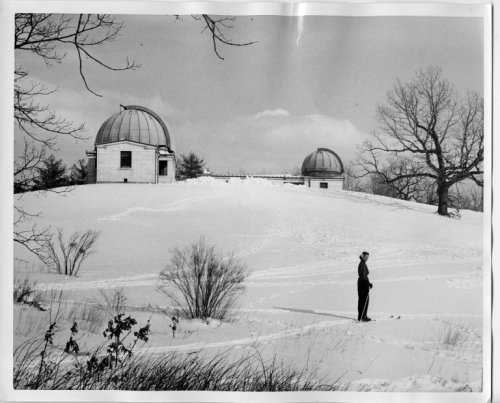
(26, 173)
(351, 181)
(31, 238)
(425, 122)
(35, 120)
(477, 199)
(467, 197)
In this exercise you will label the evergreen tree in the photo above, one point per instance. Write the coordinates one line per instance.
(52, 174)
(190, 166)
(79, 173)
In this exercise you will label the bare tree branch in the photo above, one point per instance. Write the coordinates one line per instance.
(216, 26)
(41, 34)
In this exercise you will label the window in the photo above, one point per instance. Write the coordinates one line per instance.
(125, 159)
(323, 185)
(163, 168)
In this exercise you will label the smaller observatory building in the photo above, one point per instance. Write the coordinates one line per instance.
(133, 145)
(323, 169)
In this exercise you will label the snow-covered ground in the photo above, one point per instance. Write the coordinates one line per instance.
(301, 247)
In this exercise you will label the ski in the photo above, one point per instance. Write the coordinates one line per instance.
(391, 317)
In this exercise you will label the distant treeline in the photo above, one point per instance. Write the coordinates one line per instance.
(52, 173)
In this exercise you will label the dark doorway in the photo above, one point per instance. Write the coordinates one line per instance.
(162, 168)
(323, 185)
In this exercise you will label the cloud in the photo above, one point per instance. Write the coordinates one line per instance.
(273, 112)
(252, 146)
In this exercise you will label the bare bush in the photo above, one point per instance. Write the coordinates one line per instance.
(66, 257)
(202, 282)
(114, 300)
(24, 290)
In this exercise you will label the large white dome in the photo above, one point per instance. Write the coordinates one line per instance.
(137, 124)
(322, 163)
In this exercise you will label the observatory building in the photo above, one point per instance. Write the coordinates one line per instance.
(323, 169)
(133, 145)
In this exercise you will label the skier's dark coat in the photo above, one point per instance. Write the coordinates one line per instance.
(363, 270)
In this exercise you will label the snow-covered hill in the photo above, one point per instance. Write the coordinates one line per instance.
(301, 247)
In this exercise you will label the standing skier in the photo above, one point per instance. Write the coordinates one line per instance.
(364, 286)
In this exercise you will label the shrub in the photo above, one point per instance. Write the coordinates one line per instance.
(66, 257)
(202, 282)
(24, 291)
(117, 331)
(40, 364)
(114, 300)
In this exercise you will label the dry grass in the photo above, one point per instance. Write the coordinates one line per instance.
(456, 336)
(171, 371)
(450, 336)
(39, 363)
(28, 321)
(90, 316)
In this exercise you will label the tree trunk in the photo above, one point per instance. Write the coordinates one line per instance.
(442, 193)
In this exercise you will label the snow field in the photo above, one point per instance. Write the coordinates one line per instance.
(301, 248)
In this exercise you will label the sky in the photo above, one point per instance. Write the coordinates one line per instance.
(305, 83)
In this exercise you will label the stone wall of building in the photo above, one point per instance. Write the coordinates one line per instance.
(91, 169)
(170, 177)
(324, 183)
(144, 164)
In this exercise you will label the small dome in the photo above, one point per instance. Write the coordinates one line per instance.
(322, 163)
(135, 123)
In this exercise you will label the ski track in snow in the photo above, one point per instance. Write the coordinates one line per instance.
(458, 280)
(256, 338)
(182, 204)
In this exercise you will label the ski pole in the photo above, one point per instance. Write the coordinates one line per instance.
(366, 302)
